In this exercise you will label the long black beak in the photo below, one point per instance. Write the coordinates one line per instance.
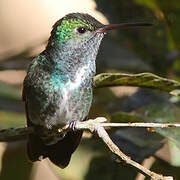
(118, 26)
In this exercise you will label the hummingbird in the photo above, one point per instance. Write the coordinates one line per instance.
(58, 87)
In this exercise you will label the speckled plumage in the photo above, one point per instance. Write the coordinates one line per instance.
(58, 86)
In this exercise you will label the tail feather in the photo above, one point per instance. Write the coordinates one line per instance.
(59, 153)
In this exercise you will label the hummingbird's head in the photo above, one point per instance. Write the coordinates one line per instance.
(74, 39)
(77, 36)
(79, 28)
(75, 29)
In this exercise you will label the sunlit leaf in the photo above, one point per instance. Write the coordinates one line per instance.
(141, 80)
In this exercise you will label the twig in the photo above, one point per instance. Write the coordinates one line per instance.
(146, 125)
(97, 126)
(148, 80)
(15, 134)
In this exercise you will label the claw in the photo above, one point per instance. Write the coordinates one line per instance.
(72, 125)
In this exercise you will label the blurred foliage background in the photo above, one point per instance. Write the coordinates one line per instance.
(25, 28)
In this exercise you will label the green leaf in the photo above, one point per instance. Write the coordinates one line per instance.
(148, 80)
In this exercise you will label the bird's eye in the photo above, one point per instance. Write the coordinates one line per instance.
(80, 30)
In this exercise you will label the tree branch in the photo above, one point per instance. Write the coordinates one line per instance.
(143, 125)
(96, 126)
(15, 134)
(147, 80)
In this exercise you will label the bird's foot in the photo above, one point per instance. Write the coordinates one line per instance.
(72, 125)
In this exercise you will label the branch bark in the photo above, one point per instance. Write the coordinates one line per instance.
(96, 126)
